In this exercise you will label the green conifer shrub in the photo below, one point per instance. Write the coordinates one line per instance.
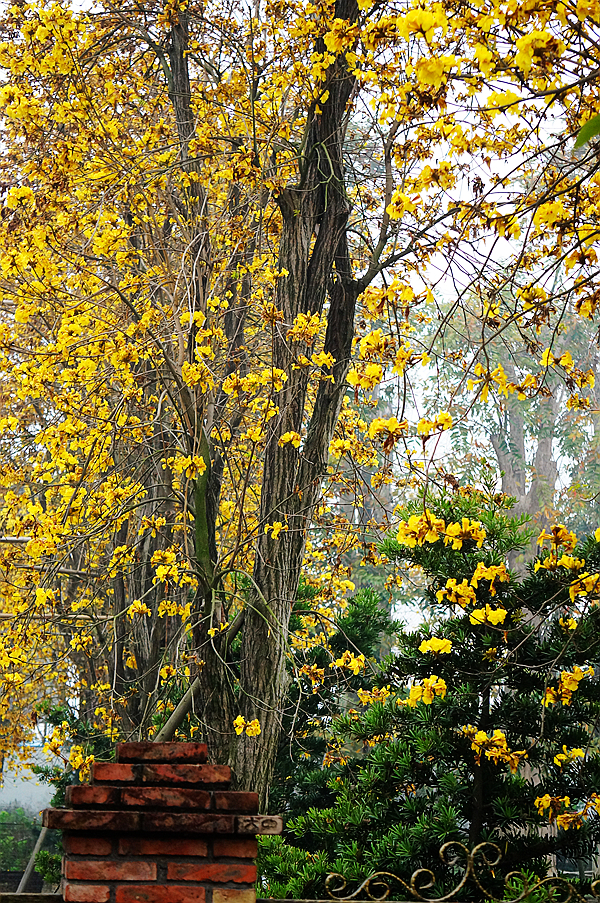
(481, 726)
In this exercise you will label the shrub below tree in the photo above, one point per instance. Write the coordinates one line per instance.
(481, 726)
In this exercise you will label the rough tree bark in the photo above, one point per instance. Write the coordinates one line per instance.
(314, 252)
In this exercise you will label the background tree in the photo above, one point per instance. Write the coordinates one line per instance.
(543, 443)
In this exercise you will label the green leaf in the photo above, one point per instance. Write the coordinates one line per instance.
(588, 131)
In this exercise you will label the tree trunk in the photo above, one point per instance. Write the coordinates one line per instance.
(318, 263)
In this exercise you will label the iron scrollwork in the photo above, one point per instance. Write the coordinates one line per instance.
(485, 856)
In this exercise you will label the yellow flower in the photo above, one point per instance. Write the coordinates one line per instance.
(432, 71)
(391, 430)
(80, 762)
(291, 436)
(567, 756)
(426, 691)
(252, 728)
(419, 529)
(458, 593)
(492, 573)
(553, 803)
(167, 671)
(368, 697)
(568, 623)
(239, 724)
(275, 529)
(459, 533)
(538, 45)
(425, 427)
(315, 674)
(558, 536)
(585, 585)
(373, 344)
(488, 615)
(494, 747)
(354, 663)
(443, 421)
(367, 376)
(568, 683)
(436, 646)
(551, 562)
(212, 631)
(138, 608)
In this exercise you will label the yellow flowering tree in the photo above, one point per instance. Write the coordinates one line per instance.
(219, 228)
(482, 723)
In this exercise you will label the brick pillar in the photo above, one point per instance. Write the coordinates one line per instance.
(159, 826)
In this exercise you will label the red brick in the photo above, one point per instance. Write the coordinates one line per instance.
(108, 772)
(90, 820)
(240, 872)
(86, 893)
(162, 752)
(187, 822)
(108, 870)
(166, 797)
(159, 893)
(87, 846)
(218, 775)
(81, 796)
(142, 846)
(236, 801)
(241, 848)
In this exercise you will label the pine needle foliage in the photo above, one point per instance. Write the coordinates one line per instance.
(481, 726)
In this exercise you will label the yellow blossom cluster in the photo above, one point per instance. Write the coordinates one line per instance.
(305, 328)
(557, 806)
(464, 594)
(488, 615)
(366, 376)
(420, 528)
(252, 728)
(388, 430)
(490, 573)
(558, 536)
(568, 623)
(80, 762)
(567, 685)
(457, 593)
(456, 534)
(585, 585)
(375, 694)
(436, 646)
(441, 422)
(494, 747)
(567, 756)
(354, 663)
(551, 563)
(425, 692)
(314, 674)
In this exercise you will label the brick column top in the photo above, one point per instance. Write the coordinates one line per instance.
(161, 787)
(160, 825)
